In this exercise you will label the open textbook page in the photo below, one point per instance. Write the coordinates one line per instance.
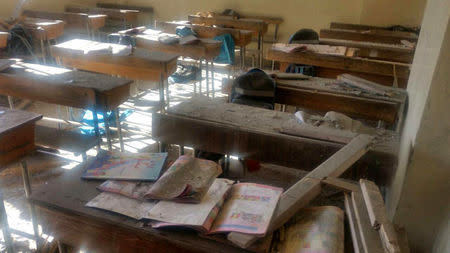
(249, 209)
(199, 216)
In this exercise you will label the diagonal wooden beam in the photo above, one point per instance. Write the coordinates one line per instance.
(309, 187)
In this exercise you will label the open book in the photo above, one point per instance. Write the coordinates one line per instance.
(187, 180)
(123, 166)
(243, 207)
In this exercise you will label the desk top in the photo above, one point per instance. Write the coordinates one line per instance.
(141, 64)
(44, 29)
(241, 37)
(58, 85)
(381, 36)
(72, 20)
(255, 25)
(204, 49)
(3, 39)
(127, 14)
(13, 119)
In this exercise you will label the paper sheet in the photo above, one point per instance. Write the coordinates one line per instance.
(120, 204)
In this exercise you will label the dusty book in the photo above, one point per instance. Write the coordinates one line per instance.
(199, 216)
(124, 166)
(314, 230)
(186, 180)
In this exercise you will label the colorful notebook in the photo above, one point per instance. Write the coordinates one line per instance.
(124, 166)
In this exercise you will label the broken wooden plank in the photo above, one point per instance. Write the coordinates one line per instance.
(340, 184)
(369, 236)
(344, 158)
(377, 215)
(309, 187)
(354, 229)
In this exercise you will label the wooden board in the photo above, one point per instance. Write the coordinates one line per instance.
(354, 228)
(343, 64)
(128, 16)
(241, 37)
(61, 211)
(377, 215)
(75, 21)
(16, 134)
(340, 184)
(380, 36)
(44, 29)
(3, 39)
(140, 65)
(62, 86)
(372, 50)
(369, 236)
(254, 25)
(205, 49)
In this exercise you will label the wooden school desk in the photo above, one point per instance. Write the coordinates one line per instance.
(241, 37)
(140, 65)
(380, 36)
(275, 21)
(16, 141)
(378, 51)
(44, 30)
(66, 87)
(128, 17)
(257, 26)
(254, 133)
(323, 95)
(205, 49)
(3, 39)
(330, 66)
(74, 22)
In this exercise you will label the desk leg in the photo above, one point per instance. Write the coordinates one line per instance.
(43, 52)
(107, 131)
(201, 76)
(166, 80)
(212, 78)
(259, 46)
(27, 186)
(119, 129)
(207, 78)
(161, 94)
(96, 128)
(11, 102)
(5, 226)
(261, 52)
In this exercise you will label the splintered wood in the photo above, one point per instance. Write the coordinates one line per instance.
(377, 215)
(309, 187)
